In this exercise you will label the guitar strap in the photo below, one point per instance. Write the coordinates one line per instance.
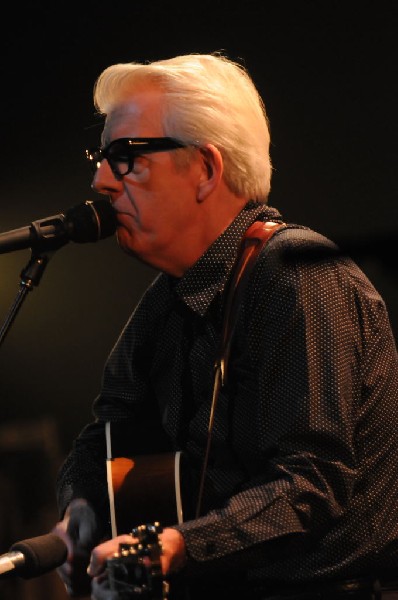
(254, 240)
(111, 495)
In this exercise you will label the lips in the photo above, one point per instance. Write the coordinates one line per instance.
(123, 218)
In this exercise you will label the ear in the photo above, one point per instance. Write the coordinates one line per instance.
(212, 171)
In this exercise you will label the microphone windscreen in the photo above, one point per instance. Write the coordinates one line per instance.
(91, 221)
(42, 554)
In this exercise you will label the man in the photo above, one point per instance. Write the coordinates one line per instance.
(295, 493)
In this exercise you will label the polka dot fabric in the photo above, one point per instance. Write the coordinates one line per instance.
(302, 481)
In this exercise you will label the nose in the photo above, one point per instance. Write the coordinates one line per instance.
(104, 181)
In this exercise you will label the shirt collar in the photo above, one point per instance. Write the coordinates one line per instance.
(208, 276)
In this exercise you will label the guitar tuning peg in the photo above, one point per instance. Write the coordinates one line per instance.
(129, 572)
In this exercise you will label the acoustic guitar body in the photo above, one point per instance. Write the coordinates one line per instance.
(145, 489)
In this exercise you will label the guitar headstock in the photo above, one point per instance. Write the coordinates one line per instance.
(135, 571)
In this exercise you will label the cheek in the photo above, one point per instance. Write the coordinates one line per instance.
(141, 173)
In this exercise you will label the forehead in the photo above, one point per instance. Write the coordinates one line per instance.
(138, 114)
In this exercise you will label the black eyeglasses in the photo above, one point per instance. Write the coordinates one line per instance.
(122, 152)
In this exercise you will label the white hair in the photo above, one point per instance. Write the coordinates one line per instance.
(207, 99)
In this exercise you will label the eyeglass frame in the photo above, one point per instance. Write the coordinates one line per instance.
(144, 146)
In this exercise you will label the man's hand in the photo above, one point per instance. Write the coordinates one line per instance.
(172, 559)
(174, 555)
(79, 531)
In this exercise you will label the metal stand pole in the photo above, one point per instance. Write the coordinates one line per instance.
(30, 277)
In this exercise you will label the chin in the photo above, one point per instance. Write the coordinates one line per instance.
(124, 241)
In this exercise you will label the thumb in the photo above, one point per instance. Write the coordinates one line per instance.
(82, 524)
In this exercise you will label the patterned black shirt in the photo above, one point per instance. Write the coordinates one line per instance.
(302, 480)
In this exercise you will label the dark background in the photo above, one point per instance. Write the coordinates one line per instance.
(327, 71)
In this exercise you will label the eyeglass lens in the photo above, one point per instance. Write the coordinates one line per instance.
(121, 152)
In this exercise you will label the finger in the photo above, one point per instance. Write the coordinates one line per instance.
(65, 570)
(88, 531)
(103, 551)
(100, 590)
(82, 522)
(60, 529)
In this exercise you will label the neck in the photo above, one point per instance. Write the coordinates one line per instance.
(212, 220)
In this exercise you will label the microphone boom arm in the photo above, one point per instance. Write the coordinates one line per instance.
(90, 221)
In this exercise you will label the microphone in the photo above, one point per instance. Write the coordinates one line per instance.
(89, 221)
(34, 556)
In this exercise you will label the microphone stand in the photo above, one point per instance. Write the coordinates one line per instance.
(87, 222)
(30, 277)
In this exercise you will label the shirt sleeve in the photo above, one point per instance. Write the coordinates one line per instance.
(310, 323)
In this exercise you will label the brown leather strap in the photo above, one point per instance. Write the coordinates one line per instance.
(253, 241)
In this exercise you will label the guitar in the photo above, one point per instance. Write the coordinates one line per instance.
(135, 571)
(143, 489)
